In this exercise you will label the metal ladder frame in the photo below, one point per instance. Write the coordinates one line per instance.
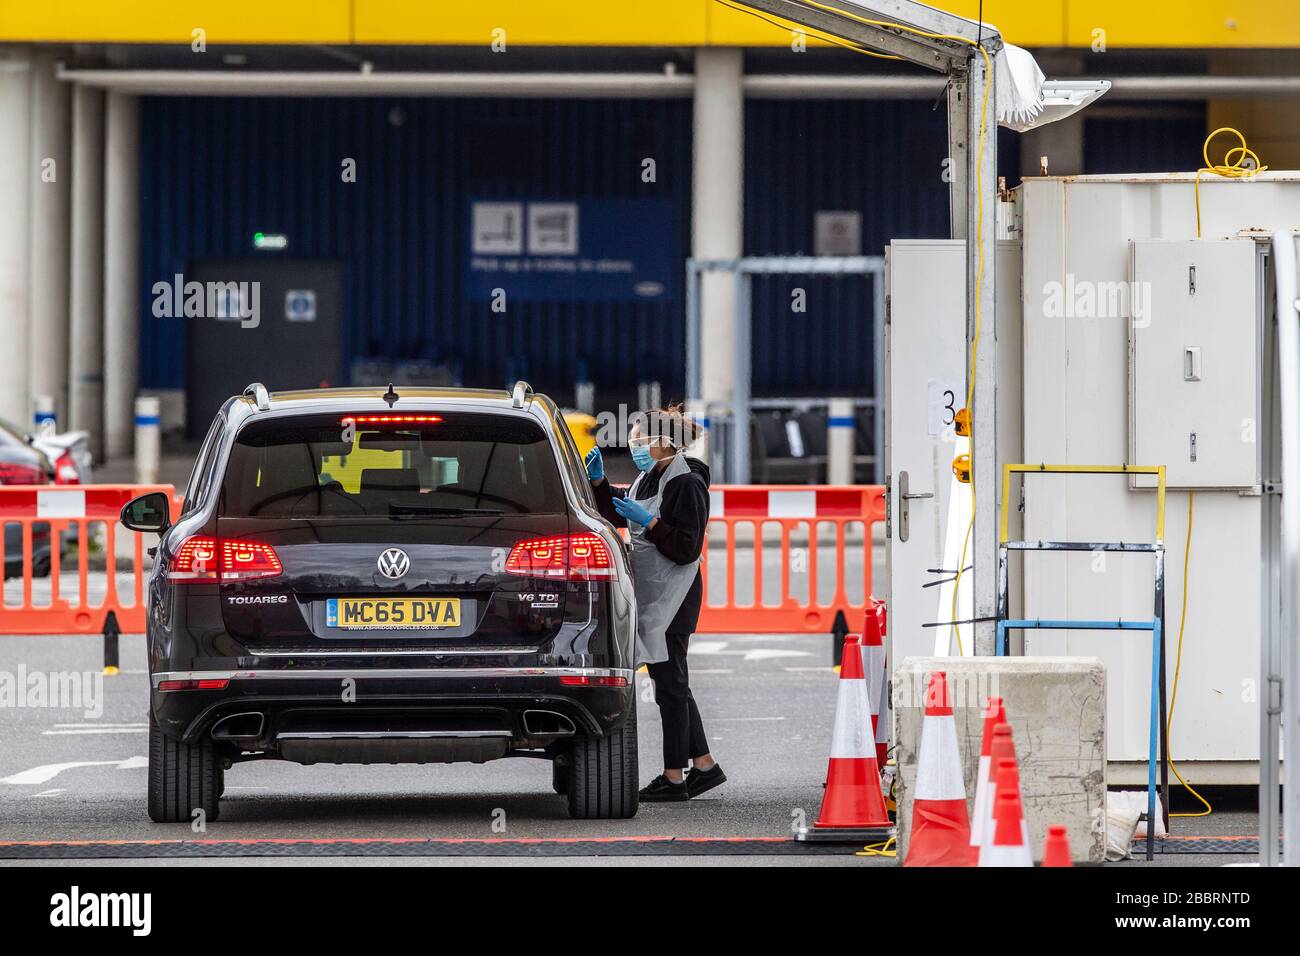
(1157, 744)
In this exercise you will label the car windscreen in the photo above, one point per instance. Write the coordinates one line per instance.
(391, 465)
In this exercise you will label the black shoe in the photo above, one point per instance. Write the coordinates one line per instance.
(663, 790)
(700, 781)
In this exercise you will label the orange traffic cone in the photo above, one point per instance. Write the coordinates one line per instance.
(940, 825)
(994, 713)
(873, 665)
(853, 808)
(1056, 848)
(1008, 846)
(1001, 748)
(1007, 776)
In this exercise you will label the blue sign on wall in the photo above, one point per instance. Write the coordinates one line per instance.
(571, 250)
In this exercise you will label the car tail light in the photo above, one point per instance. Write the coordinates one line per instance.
(65, 470)
(203, 558)
(207, 683)
(241, 560)
(390, 419)
(584, 681)
(575, 556)
(12, 473)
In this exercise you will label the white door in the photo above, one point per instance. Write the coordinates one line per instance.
(925, 384)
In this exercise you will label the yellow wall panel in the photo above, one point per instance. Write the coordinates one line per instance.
(534, 22)
(173, 21)
(1186, 23)
(1127, 23)
(1024, 24)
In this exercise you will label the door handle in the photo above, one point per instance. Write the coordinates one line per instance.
(905, 495)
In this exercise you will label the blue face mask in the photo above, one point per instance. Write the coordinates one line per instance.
(642, 458)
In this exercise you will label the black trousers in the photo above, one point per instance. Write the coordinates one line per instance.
(683, 729)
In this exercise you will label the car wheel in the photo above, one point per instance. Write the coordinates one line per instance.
(560, 774)
(603, 774)
(182, 778)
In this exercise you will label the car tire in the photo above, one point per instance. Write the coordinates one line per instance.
(603, 774)
(182, 778)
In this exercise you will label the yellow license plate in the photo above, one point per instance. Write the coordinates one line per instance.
(404, 613)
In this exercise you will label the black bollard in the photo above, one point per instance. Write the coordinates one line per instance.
(839, 631)
(111, 632)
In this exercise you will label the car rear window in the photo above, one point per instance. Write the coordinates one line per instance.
(371, 464)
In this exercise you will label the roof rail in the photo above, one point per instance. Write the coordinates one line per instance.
(257, 391)
(521, 393)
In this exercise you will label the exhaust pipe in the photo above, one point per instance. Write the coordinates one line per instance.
(547, 723)
(244, 726)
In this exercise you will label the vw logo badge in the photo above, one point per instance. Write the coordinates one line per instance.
(394, 563)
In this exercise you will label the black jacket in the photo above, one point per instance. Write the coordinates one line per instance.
(679, 532)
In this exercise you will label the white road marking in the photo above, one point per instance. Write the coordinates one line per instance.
(52, 793)
(707, 647)
(746, 718)
(105, 723)
(769, 653)
(802, 670)
(748, 654)
(47, 772)
(95, 730)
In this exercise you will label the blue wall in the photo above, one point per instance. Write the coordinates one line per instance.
(1145, 144)
(214, 171)
(884, 159)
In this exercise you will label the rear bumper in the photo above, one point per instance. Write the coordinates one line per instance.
(359, 715)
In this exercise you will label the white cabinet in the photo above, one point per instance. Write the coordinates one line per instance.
(1193, 362)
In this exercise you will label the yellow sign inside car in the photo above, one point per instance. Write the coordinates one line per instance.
(394, 614)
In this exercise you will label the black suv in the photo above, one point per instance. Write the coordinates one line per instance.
(361, 576)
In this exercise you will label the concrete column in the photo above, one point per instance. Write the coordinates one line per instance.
(717, 201)
(50, 176)
(15, 193)
(121, 271)
(86, 269)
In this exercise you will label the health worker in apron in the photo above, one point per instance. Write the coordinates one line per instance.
(666, 511)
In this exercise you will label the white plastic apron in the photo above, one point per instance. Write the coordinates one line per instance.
(661, 585)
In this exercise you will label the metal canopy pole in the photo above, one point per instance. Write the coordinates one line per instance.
(880, 25)
(1288, 351)
(982, 331)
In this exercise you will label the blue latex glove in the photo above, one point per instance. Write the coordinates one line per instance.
(633, 511)
(595, 465)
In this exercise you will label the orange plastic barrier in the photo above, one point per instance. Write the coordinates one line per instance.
(747, 511)
(54, 513)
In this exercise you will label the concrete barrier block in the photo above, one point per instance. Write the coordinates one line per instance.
(1057, 710)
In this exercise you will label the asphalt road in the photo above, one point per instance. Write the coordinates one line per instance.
(768, 703)
(65, 775)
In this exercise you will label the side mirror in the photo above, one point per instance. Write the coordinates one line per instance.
(151, 512)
